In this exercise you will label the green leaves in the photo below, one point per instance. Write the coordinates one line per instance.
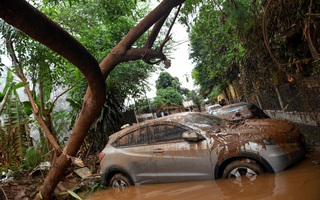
(8, 32)
(227, 39)
(15, 138)
(74, 195)
(168, 91)
(165, 80)
(216, 48)
(168, 97)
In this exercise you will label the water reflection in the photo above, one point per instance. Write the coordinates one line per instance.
(300, 182)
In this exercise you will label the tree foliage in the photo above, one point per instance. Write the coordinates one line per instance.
(168, 97)
(265, 43)
(106, 28)
(50, 75)
(216, 50)
(14, 132)
(164, 80)
(169, 91)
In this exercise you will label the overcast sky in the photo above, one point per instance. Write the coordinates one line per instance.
(181, 66)
(180, 63)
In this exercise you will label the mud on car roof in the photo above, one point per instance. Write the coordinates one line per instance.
(238, 111)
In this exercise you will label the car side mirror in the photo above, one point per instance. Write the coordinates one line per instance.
(192, 136)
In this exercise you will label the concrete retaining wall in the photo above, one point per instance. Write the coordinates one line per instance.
(306, 124)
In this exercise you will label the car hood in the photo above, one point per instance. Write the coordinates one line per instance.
(256, 126)
(262, 131)
(268, 124)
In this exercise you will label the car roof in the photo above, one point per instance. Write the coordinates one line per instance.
(214, 106)
(236, 105)
(195, 120)
(247, 110)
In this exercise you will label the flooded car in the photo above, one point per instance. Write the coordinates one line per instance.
(239, 111)
(197, 146)
(210, 109)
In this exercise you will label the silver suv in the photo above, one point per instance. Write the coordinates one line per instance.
(197, 146)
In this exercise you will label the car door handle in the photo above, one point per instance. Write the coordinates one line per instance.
(158, 150)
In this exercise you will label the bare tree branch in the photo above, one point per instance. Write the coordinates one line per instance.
(155, 31)
(115, 56)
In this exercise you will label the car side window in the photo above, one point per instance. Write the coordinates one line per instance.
(166, 132)
(134, 138)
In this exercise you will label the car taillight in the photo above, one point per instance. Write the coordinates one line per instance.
(100, 156)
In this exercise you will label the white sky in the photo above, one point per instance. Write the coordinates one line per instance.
(181, 66)
(180, 63)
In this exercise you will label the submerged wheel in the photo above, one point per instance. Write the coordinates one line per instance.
(242, 170)
(120, 181)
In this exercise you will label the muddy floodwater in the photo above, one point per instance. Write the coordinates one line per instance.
(300, 182)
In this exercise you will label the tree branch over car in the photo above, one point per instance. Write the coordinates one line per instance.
(25, 17)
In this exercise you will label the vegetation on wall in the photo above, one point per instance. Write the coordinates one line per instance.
(263, 44)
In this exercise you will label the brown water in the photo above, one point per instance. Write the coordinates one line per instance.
(301, 182)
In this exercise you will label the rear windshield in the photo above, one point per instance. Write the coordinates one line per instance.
(202, 120)
(245, 111)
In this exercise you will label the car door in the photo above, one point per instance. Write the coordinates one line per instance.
(176, 158)
(135, 153)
